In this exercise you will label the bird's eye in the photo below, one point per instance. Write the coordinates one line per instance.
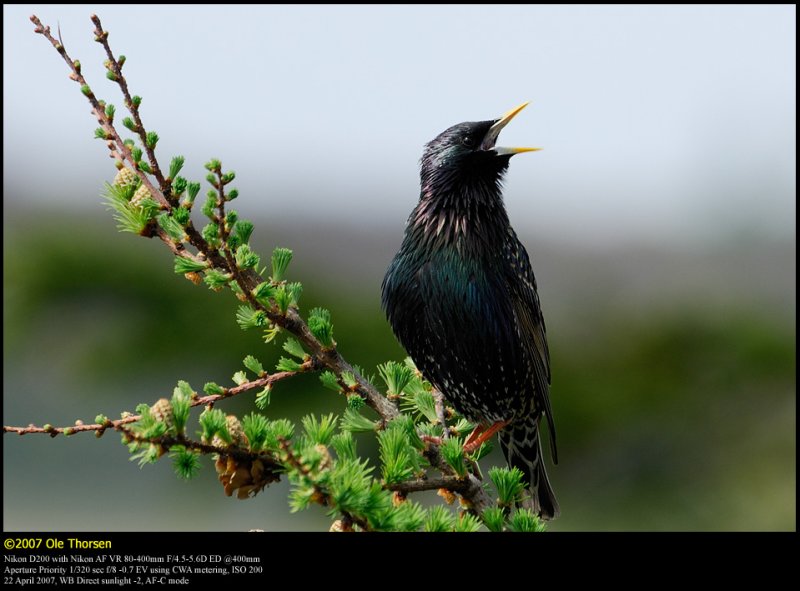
(468, 141)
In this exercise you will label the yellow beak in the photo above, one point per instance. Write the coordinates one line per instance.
(491, 136)
(509, 115)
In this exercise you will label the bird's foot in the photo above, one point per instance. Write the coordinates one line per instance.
(481, 434)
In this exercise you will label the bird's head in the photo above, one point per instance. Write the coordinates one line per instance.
(467, 153)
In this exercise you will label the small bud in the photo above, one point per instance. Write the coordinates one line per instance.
(77, 65)
(448, 496)
(179, 185)
(337, 526)
(263, 397)
(181, 215)
(195, 278)
(175, 166)
(151, 139)
(355, 401)
(213, 388)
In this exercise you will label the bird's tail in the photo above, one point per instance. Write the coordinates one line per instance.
(522, 449)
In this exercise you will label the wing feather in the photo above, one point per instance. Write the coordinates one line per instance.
(533, 332)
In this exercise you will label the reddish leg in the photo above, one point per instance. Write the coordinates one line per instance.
(479, 428)
(481, 434)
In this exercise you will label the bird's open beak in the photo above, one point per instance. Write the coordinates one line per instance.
(490, 138)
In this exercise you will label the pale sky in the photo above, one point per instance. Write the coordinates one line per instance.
(658, 123)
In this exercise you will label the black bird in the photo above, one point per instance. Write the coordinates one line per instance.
(461, 298)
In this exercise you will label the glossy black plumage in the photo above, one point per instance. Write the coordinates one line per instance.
(461, 298)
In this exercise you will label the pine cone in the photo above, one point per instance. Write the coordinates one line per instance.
(245, 477)
(140, 195)
(162, 412)
(234, 430)
(125, 178)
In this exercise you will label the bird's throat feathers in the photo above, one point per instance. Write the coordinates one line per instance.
(462, 208)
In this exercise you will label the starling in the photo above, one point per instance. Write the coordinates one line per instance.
(461, 298)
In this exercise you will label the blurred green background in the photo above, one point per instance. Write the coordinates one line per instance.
(660, 219)
(673, 388)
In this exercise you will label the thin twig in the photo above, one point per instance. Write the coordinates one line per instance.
(237, 453)
(97, 108)
(333, 360)
(198, 401)
(101, 37)
(229, 256)
(438, 402)
(451, 483)
(246, 280)
(470, 488)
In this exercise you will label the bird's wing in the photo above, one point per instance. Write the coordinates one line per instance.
(532, 328)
